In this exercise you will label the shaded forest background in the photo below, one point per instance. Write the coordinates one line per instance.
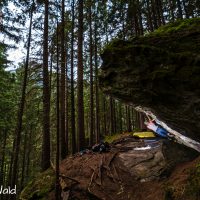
(51, 105)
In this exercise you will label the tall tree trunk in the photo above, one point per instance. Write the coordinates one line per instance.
(73, 124)
(142, 119)
(97, 125)
(57, 186)
(123, 10)
(104, 115)
(45, 164)
(120, 117)
(134, 17)
(191, 9)
(2, 161)
(133, 114)
(66, 105)
(180, 13)
(23, 161)
(11, 163)
(128, 119)
(50, 73)
(114, 116)
(111, 117)
(153, 10)
(29, 153)
(21, 110)
(5, 177)
(141, 31)
(158, 12)
(171, 5)
(185, 9)
(160, 4)
(137, 121)
(62, 87)
(81, 132)
(91, 78)
(149, 18)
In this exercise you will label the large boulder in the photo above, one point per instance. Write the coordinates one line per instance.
(160, 71)
(133, 168)
(118, 174)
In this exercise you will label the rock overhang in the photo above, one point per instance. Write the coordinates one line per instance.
(159, 71)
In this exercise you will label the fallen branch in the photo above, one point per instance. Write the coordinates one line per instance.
(181, 139)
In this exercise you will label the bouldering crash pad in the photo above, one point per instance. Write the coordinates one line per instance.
(147, 134)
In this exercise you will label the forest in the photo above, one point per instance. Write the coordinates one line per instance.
(54, 102)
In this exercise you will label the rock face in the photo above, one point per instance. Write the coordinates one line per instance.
(160, 71)
(119, 174)
(143, 163)
(132, 169)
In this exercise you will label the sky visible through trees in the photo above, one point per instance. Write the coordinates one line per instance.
(14, 55)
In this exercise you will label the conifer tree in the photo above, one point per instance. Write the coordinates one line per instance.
(80, 104)
(46, 95)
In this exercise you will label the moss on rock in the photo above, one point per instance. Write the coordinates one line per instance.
(40, 186)
(180, 25)
(178, 37)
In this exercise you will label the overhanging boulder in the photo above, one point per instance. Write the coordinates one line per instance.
(159, 71)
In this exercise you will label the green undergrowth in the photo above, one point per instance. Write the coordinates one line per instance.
(40, 186)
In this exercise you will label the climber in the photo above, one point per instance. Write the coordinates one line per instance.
(157, 129)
